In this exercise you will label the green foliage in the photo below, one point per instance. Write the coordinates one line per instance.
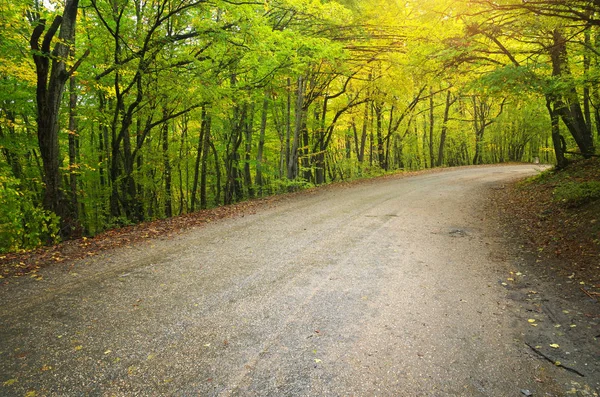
(285, 185)
(23, 225)
(359, 87)
(577, 193)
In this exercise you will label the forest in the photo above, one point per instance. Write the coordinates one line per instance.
(115, 112)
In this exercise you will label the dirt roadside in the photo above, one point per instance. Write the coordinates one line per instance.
(555, 278)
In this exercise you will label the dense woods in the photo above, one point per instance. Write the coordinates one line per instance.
(114, 112)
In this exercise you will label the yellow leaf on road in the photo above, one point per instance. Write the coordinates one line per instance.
(554, 346)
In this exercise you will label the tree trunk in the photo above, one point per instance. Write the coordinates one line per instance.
(12, 158)
(205, 146)
(50, 87)
(199, 156)
(292, 171)
(167, 167)
(217, 172)
(431, 126)
(73, 147)
(248, 127)
(288, 125)
(380, 151)
(449, 102)
(557, 139)
(261, 145)
(567, 104)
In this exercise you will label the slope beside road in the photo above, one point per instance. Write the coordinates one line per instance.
(392, 287)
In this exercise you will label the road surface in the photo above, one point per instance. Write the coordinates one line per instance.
(390, 287)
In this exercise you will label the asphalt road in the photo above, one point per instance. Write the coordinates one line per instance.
(390, 288)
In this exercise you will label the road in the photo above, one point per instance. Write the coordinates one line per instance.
(391, 287)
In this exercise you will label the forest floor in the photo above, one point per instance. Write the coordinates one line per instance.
(557, 223)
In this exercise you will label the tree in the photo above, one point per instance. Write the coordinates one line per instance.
(52, 76)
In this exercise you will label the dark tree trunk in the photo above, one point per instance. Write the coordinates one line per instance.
(73, 148)
(479, 127)
(261, 145)
(307, 171)
(51, 82)
(205, 146)
(233, 186)
(567, 105)
(449, 102)
(586, 86)
(557, 139)
(288, 126)
(167, 168)
(199, 155)
(217, 170)
(431, 127)
(11, 157)
(378, 108)
(248, 130)
(292, 171)
(183, 153)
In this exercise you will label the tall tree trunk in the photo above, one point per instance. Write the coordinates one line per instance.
(321, 146)
(248, 130)
(378, 108)
(288, 125)
(586, 85)
(199, 155)
(479, 130)
(73, 146)
(371, 135)
(557, 139)
(167, 167)
(306, 163)
(363, 136)
(217, 170)
(567, 105)
(233, 186)
(261, 145)
(292, 171)
(11, 157)
(431, 126)
(182, 155)
(449, 102)
(51, 82)
(205, 146)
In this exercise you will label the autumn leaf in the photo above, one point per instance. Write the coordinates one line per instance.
(10, 382)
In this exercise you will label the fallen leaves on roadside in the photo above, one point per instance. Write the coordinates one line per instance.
(29, 263)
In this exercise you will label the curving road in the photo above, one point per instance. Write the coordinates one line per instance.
(389, 287)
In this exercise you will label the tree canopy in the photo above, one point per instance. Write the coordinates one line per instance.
(114, 112)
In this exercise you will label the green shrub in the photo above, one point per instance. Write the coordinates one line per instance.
(23, 225)
(285, 185)
(577, 193)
